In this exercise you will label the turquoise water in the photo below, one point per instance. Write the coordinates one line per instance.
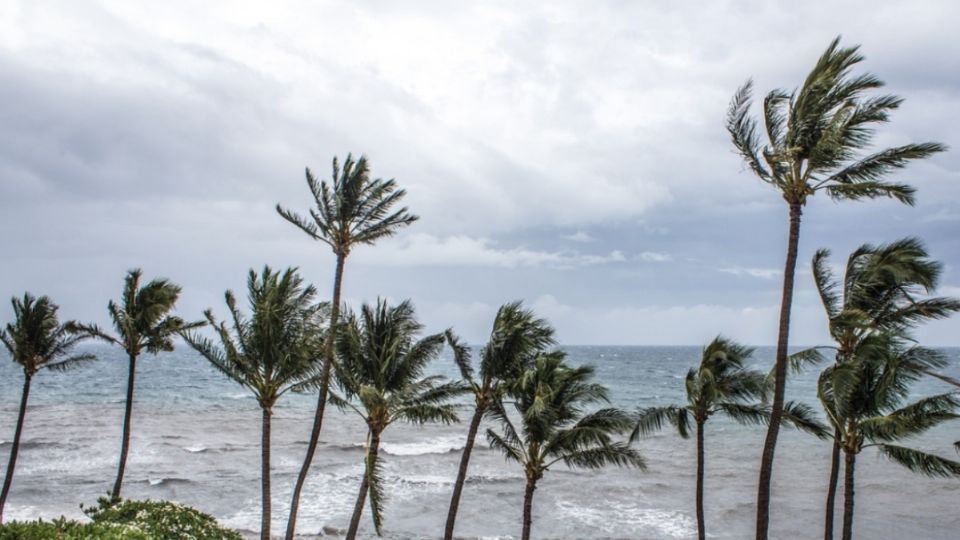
(196, 439)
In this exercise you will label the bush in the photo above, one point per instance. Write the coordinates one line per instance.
(115, 519)
(160, 520)
(61, 529)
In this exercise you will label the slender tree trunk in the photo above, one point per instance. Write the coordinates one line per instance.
(321, 400)
(265, 475)
(373, 450)
(832, 487)
(780, 372)
(8, 480)
(528, 508)
(127, 416)
(851, 460)
(701, 522)
(462, 473)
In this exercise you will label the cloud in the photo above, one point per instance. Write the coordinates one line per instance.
(763, 273)
(579, 236)
(654, 256)
(427, 250)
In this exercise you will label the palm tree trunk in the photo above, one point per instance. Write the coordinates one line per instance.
(462, 473)
(373, 449)
(701, 523)
(8, 480)
(265, 475)
(321, 400)
(832, 487)
(780, 372)
(851, 460)
(528, 508)
(127, 415)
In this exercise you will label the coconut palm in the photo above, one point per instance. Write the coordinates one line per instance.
(517, 337)
(885, 289)
(352, 210)
(270, 353)
(142, 322)
(815, 137)
(36, 340)
(720, 385)
(550, 398)
(864, 400)
(380, 368)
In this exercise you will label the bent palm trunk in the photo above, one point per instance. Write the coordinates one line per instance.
(701, 524)
(851, 460)
(8, 480)
(528, 508)
(321, 401)
(780, 372)
(832, 487)
(372, 451)
(265, 475)
(125, 441)
(462, 473)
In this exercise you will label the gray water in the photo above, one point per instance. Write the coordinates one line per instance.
(196, 440)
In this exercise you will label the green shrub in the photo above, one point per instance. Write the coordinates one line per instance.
(125, 520)
(61, 529)
(160, 520)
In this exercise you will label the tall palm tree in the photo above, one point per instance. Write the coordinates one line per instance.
(36, 340)
(720, 385)
(815, 137)
(353, 210)
(550, 398)
(142, 322)
(885, 289)
(864, 400)
(517, 337)
(381, 364)
(270, 353)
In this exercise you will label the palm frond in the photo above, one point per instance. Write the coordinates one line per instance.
(921, 462)
(651, 420)
(802, 417)
(619, 454)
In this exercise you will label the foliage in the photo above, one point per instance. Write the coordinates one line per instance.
(36, 340)
(63, 529)
(160, 520)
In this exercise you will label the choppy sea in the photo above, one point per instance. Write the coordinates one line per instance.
(196, 440)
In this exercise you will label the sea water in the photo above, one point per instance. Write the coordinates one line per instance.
(196, 439)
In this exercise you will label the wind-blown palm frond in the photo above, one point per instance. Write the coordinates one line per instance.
(921, 462)
(651, 420)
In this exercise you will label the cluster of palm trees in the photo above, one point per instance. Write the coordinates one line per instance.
(372, 362)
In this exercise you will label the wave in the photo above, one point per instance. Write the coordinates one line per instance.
(168, 481)
(443, 445)
(196, 449)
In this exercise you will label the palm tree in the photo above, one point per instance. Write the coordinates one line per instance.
(720, 385)
(550, 398)
(36, 340)
(381, 364)
(353, 210)
(270, 353)
(884, 289)
(863, 398)
(814, 139)
(518, 336)
(142, 323)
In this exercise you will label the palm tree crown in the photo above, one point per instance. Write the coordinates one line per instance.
(381, 365)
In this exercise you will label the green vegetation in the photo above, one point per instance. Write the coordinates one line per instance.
(353, 210)
(271, 353)
(815, 139)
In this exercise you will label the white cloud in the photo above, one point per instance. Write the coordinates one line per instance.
(579, 236)
(764, 273)
(654, 256)
(461, 250)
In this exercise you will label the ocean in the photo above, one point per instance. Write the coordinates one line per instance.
(196, 439)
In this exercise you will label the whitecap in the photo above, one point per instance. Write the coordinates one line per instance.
(440, 445)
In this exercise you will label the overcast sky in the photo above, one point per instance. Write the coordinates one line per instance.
(570, 154)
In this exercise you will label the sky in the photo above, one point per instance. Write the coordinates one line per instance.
(568, 154)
